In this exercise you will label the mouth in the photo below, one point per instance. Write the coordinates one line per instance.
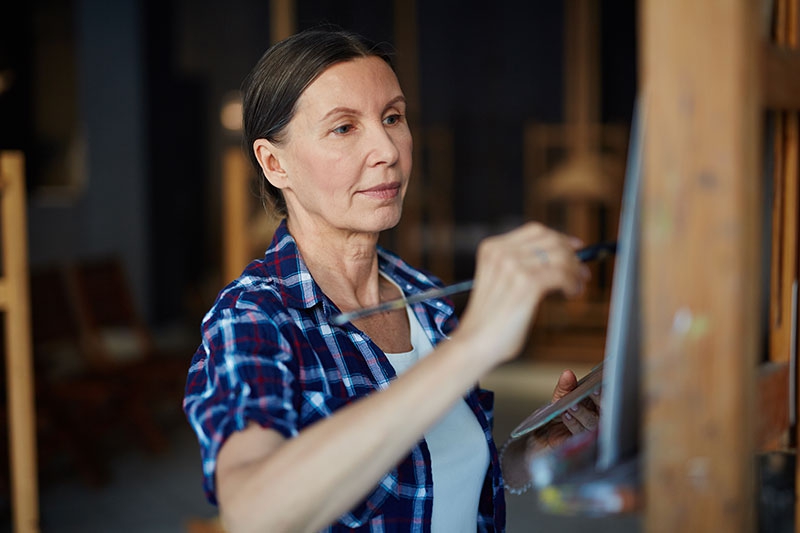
(384, 191)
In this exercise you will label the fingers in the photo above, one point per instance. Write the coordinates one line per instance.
(580, 418)
(595, 399)
(556, 434)
(536, 233)
(513, 273)
(566, 382)
(542, 253)
(542, 246)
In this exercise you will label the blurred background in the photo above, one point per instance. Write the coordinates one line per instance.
(141, 205)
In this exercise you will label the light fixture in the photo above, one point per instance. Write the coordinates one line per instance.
(231, 111)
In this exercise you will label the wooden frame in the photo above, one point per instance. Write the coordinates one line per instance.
(781, 77)
(245, 233)
(701, 263)
(14, 302)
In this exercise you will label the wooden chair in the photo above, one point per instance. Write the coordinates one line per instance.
(83, 405)
(72, 403)
(99, 374)
(120, 345)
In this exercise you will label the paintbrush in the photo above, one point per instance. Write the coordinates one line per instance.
(590, 253)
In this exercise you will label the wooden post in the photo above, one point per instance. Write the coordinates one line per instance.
(244, 232)
(236, 212)
(282, 22)
(785, 185)
(700, 262)
(440, 174)
(409, 238)
(781, 82)
(19, 368)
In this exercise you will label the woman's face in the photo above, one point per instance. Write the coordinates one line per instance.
(347, 153)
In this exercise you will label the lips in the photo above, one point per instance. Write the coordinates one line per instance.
(383, 191)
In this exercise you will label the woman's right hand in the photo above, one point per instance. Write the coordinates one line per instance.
(514, 272)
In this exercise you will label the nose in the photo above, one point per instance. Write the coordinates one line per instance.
(383, 148)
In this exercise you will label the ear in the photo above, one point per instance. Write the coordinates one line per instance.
(267, 155)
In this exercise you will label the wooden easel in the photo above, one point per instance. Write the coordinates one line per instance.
(782, 46)
(710, 71)
(247, 230)
(573, 176)
(14, 302)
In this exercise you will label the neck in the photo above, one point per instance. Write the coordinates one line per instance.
(344, 265)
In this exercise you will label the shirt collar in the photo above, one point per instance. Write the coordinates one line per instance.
(297, 288)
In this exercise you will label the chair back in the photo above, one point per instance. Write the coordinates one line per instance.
(112, 319)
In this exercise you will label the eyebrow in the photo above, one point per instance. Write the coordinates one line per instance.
(351, 111)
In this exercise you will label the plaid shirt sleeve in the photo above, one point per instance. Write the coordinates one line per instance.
(241, 373)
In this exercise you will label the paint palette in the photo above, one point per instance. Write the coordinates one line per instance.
(587, 385)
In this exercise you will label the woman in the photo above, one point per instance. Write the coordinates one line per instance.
(376, 424)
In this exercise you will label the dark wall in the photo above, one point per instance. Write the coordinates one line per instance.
(15, 76)
(484, 72)
(177, 166)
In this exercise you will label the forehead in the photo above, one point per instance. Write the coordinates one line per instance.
(364, 80)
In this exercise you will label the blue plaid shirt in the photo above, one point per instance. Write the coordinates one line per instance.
(270, 355)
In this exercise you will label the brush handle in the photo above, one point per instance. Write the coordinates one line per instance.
(400, 303)
(590, 253)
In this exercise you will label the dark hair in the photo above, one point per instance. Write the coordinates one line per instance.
(271, 90)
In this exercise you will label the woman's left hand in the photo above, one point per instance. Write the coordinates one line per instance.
(581, 417)
(518, 454)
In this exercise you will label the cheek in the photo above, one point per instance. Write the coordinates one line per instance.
(337, 172)
(405, 145)
(317, 171)
(330, 180)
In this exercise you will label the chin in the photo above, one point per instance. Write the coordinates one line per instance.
(385, 220)
(372, 219)
(379, 227)
(392, 222)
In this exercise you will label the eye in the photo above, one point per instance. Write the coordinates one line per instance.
(393, 119)
(343, 129)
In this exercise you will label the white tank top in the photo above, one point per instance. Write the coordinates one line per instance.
(458, 448)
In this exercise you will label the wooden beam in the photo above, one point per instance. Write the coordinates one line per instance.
(440, 174)
(772, 424)
(236, 213)
(582, 70)
(700, 262)
(282, 23)
(19, 367)
(785, 216)
(786, 263)
(409, 236)
(3, 295)
(780, 75)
